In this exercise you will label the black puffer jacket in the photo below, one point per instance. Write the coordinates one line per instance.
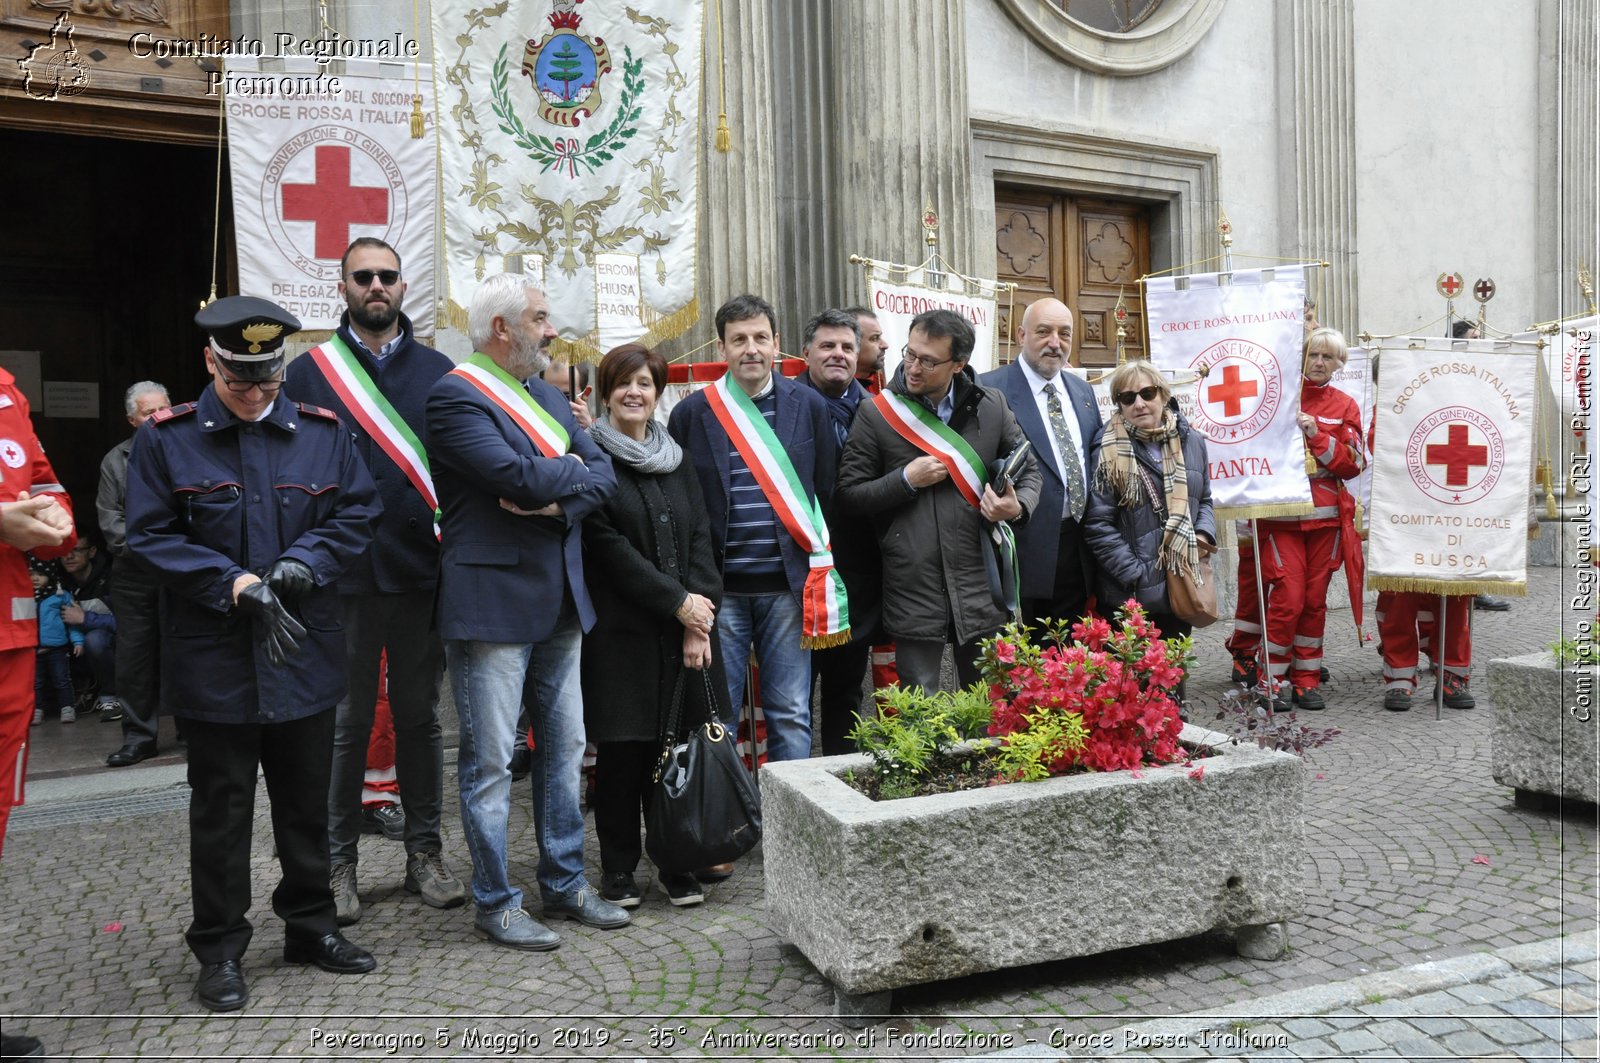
(1127, 539)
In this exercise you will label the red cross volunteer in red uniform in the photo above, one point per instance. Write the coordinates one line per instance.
(1300, 555)
(35, 514)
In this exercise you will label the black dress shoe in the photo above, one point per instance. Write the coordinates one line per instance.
(222, 986)
(331, 952)
(131, 753)
(1490, 602)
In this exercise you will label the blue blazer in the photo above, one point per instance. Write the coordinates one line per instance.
(804, 427)
(1039, 540)
(502, 576)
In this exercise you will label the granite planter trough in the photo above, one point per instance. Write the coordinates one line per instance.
(1544, 740)
(879, 895)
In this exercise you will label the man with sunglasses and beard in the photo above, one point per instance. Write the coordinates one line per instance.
(248, 508)
(376, 376)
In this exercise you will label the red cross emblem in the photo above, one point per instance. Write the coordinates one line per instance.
(1449, 285)
(1457, 455)
(333, 204)
(325, 186)
(1483, 290)
(1232, 391)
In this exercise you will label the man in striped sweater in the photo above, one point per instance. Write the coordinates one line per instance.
(765, 568)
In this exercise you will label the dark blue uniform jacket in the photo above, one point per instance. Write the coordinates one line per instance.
(210, 498)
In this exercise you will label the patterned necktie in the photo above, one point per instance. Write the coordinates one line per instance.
(1072, 467)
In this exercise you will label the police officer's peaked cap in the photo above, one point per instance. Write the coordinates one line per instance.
(247, 334)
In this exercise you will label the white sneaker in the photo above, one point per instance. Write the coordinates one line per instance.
(69, 714)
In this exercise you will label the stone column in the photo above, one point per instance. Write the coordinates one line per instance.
(1569, 228)
(738, 195)
(1317, 144)
(903, 131)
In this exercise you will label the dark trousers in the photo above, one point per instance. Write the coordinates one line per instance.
(623, 782)
(52, 678)
(1069, 596)
(403, 625)
(223, 758)
(840, 670)
(918, 661)
(136, 603)
(100, 657)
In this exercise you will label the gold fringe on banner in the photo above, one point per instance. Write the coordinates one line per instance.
(824, 642)
(1276, 509)
(1451, 588)
(455, 315)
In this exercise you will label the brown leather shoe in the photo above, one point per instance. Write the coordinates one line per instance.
(714, 873)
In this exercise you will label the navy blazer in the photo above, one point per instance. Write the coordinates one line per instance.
(404, 555)
(804, 427)
(1039, 540)
(502, 576)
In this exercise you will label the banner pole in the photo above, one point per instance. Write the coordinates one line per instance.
(1438, 661)
(1261, 607)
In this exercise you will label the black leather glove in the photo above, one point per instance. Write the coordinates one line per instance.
(291, 580)
(278, 631)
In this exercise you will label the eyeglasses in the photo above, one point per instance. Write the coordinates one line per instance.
(927, 363)
(239, 387)
(1148, 394)
(363, 277)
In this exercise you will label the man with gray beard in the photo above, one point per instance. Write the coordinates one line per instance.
(516, 477)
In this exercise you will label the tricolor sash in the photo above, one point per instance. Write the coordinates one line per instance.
(376, 415)
(921, 427)
(824, 609)
(507, 392)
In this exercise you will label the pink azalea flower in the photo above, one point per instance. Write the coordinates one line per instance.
(1198, 772)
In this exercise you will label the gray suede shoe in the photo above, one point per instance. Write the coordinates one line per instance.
(516, 929)
(588, 908)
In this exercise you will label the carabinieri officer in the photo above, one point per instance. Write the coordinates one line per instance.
(249, 506)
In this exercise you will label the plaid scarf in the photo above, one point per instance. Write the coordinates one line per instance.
(1119, 470)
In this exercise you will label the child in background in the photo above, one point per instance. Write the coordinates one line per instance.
(58, 644)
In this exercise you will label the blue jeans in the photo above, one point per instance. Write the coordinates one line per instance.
(769, 624)
(555, 708)
(486, 679)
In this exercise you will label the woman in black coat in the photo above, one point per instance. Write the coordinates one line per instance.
(1149, 499)
(655, 588)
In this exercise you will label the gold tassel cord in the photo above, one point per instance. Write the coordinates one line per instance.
(1274, 509)
(216, 216)
(417, 122)
(1449, 588)
(724, 139)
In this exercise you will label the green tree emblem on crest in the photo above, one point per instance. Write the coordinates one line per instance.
(568, 155)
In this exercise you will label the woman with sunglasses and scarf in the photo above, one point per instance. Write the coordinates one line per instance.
(1149, 497)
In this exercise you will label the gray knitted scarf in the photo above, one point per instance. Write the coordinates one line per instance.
(658, 453)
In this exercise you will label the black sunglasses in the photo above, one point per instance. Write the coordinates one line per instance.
(364, 277)
(1147, 393)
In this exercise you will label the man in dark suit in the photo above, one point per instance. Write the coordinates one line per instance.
(249, 508)
(1059, 415)
(764, 566)
(833, 341)
(516, 477)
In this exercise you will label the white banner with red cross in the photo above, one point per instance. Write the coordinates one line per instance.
(1452, 450)
(1246, 329)
(313, 171)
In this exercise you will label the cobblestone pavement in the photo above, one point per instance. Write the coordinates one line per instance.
(1417, 857)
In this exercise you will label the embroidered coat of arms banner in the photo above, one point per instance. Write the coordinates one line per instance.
(569, 135)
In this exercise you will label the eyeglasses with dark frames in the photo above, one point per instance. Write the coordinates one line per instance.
(917, 359)
(239, 387)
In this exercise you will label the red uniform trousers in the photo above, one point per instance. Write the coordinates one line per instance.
(16, 712)
(1408, 622)
(1245, 641)
(1297, 564)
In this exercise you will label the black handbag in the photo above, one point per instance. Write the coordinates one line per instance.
(704, 806)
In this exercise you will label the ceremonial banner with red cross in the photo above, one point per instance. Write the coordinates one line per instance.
(1450, 460)
(1246, 328)
(311, 172)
